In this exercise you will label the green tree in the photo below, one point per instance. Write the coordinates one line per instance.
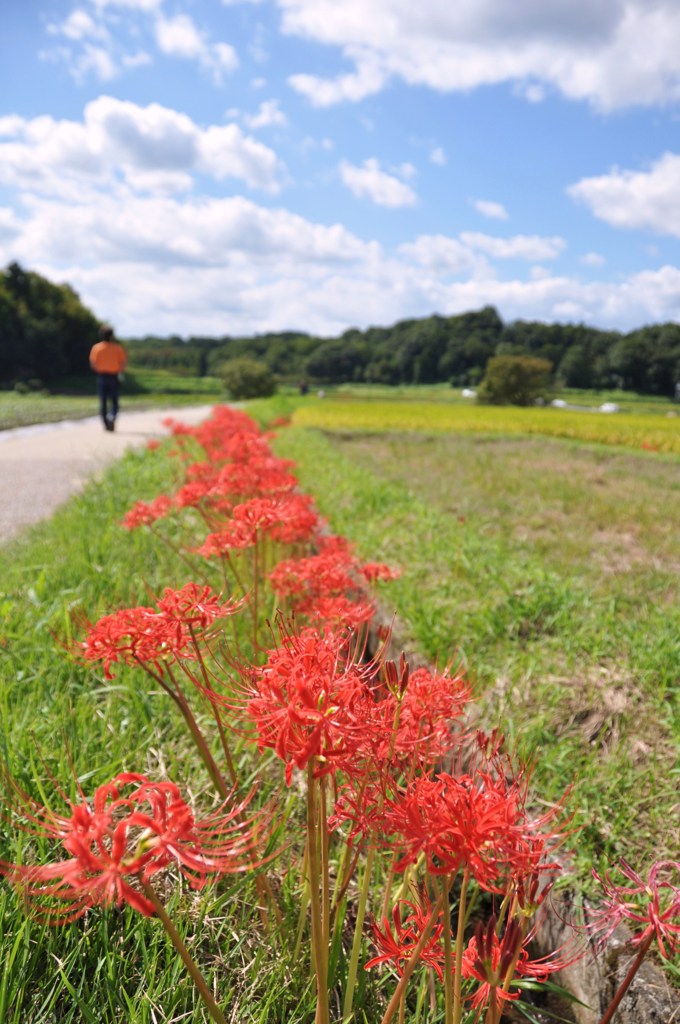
(515, 380)
(247, 378)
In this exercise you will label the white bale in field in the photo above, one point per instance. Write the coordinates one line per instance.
(468, 393)
(609, 407)
(558, 403)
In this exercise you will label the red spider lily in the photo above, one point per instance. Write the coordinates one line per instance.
(374, 571)
(302, 700)
(397, 939)
(475, 820)
(328, 573)
(651, 907)
(134, 635)
(131, 830)
(196, 606)
(155, 635)
(338, 612)
(144, 514)
(287, 518)
(431, 705)
(498, 963)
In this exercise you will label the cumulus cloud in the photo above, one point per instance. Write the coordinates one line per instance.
(613, 53)
(525, 247)
(369, 78)
(488, 208)
(164, 231)
(445, 255)
(227, 265)
(79, 25)
(104, 41)
(153, 147)
(593, 259)
(369, 182)
(179, 37)
(636, 199)
(267, 115)
(438, 156)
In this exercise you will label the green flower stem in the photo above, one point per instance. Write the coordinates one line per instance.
(188, 960)
(319, 955)
(412, 963)
(352, 971)
(325, 873)
(458, 976)
(200, 741)
(448, 950)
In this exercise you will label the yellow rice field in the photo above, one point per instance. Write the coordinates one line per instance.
(643, 431)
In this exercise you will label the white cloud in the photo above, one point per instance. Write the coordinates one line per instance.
(267, 115)
(368, 79)
(443, 255)
(593, 259)
(153, 148)
(79, 25)
(525, 247)
(487, 208)
(438, 156)
(179, 37)
(612, 53)
(146, 6)
(369, 182)
(206, 265)
(197, 231)
(636, 199)
(96, 60)
(10, 225)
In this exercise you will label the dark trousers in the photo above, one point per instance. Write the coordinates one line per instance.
(107, 389)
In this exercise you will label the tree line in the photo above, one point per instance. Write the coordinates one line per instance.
(46, 333)
(436, 349)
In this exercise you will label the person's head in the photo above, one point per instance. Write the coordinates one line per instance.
(106, 333)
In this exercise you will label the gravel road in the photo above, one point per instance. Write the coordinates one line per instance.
(42, 466)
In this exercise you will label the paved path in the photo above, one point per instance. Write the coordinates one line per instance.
(42, 466)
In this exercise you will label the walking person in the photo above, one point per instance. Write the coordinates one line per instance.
(108, 360)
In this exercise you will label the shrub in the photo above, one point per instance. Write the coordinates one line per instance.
(246, 378)
(515, 380)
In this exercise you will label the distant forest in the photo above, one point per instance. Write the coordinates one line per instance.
(46, 333)
(453, 349)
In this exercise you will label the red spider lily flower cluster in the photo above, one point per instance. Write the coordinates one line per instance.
(391, 767)
(248, 497)
(287, 518)
(304, 700)
(397, 939)
(327, 587)
(153, 636)
(131, 830)
(476, 821)
(651, 906)
(496, 963)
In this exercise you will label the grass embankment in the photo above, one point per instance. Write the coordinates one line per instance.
(59, 720)
(553, 569)
(77, 399)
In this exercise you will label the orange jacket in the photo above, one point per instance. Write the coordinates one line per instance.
(108, 357)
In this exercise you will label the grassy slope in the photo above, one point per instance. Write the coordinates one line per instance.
(553, 570)
(142, 390)
(57, 719)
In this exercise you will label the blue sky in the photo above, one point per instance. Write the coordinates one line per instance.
(234, 167)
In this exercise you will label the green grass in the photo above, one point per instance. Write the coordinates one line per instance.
(553, 570)
(60, 720)
(504, 545)
(75, 398)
